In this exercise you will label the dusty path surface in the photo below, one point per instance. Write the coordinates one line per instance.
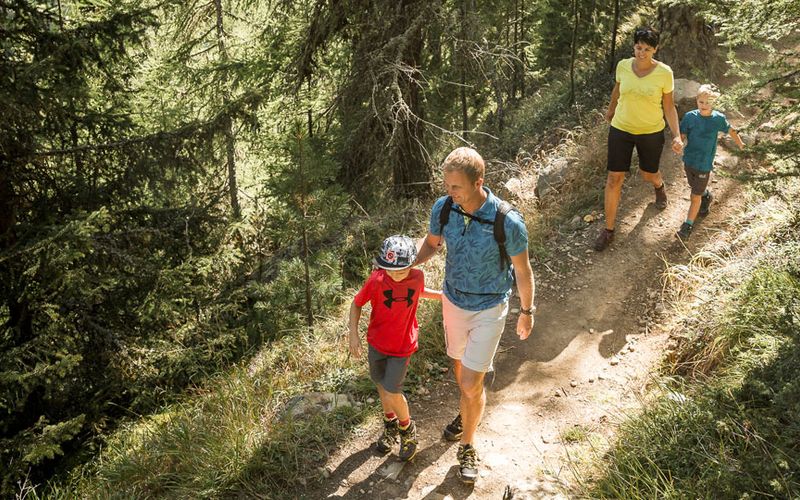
(599, 333)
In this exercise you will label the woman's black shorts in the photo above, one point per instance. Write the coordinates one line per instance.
(620, 150)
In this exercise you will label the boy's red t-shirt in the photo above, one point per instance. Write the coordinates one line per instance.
(393, 327)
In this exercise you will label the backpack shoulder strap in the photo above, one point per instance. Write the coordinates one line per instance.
(500, 232)
(444, 214)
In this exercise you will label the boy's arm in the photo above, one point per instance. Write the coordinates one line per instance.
(428, 293)
(352, 324)
(736, 138)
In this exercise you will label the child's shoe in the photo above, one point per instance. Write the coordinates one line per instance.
(705, 202)
(684, 232)
(389, 437)
(408, 442)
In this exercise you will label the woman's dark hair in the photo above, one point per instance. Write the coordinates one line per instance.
(647, 35)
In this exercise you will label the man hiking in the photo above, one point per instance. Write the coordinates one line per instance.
(480, 270)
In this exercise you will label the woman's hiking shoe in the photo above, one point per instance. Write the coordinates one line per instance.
(467, 463)
(684, 232)
(408, 442)
(389, 436)
(705, 202)
(603, 240)
(661, 197)
(453, 430)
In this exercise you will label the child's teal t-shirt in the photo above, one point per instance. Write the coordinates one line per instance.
(701, 138)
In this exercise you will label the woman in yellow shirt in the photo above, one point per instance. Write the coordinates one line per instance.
(641, 98)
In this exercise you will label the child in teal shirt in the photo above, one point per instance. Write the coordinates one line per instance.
(700, 127)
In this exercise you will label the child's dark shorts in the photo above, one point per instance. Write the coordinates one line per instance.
(388, 371)
(698, 180)
(620, 150)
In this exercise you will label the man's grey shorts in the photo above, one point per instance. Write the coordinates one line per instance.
(388, 371)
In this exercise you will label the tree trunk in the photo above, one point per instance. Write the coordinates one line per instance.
(498, 95)
(463, 64)
(19, 318)
(230, 141)
(412, 171)
(515, 49)
(612, 52)
(572, 55)
(304, 227)
(687, 42)
(522, 57)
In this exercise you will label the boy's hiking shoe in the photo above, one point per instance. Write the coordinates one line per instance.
(705, 202)
(661, 197)
(684, 232)
(467, 463)
(408, 442)
(603, 240)
(389, 436)
(453, 430)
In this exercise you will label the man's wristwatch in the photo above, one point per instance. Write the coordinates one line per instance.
(529, 312)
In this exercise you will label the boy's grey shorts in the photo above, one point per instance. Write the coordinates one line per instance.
(388, 371)
(698, 181)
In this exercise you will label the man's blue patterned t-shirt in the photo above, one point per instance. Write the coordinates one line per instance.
(473, 279)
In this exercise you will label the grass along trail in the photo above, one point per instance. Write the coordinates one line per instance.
(600, 330)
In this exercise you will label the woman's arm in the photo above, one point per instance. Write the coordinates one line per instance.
(612, 106)
(671, 114)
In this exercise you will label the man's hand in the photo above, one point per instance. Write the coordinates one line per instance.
(355, 346)
(524, 325)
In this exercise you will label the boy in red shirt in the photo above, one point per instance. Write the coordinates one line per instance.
(393, 290)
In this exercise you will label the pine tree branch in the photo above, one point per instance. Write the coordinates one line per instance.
(183, 132)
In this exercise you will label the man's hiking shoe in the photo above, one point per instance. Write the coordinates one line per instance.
(684, 232)
(389, 436)
(453, 430)
(603, 240)
(408, 442)
(705, 202)
(467, 463)
(661, 197)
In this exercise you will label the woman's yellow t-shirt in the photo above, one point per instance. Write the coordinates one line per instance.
(639, 109)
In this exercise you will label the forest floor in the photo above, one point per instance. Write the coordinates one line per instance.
(601, 329)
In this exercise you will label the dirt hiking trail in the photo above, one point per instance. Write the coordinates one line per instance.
(600, 331)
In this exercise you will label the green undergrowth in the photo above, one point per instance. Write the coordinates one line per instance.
(725, 421)
(232, 436)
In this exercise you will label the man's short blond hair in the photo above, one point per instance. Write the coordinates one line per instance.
(709, 90)
(465, 160)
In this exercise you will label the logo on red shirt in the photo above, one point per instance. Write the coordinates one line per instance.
(408, 299)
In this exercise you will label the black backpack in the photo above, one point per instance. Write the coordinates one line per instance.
(499, 228)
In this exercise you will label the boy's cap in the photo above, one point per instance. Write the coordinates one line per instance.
(397, 252)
